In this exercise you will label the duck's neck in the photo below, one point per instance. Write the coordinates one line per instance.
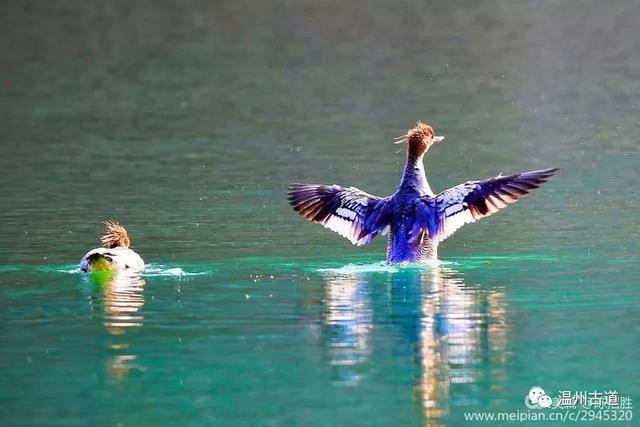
(414, 178)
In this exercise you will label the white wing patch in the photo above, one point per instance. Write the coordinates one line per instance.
(453, 223)
(340, 226)
(346, 213)
(453, 209)
(348, 229)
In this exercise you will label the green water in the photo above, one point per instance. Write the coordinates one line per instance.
(186, 122)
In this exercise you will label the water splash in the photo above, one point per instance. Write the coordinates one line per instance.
(151, 270)
(376, 267)
(380, 267)
(159, 270)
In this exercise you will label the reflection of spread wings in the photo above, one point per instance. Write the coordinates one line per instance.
(350, 212)
(442, 215)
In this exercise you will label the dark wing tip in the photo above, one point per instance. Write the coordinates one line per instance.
(536, 176)
(306, 201)
(508, 189)
(295, 192)
(543, 173)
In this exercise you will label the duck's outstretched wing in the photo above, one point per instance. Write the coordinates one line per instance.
(468, 202)
(350, 212)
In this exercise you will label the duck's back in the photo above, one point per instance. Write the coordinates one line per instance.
(119, 258)
(402, 245)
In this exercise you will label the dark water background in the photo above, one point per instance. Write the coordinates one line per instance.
(186, 121)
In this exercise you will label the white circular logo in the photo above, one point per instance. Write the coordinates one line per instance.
(544, 401)
(538, 399)
(535, 393)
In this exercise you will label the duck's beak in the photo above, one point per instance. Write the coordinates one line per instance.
(437, 139)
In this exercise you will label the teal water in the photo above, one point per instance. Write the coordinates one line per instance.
(187, 122)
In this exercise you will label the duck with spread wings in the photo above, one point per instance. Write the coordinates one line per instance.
(415, 218)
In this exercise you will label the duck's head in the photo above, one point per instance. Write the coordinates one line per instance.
(419, 139)
(115, 235)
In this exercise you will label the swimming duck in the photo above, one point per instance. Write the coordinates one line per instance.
(114, 254)
(416, 219)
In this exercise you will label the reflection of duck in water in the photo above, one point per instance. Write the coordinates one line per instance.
(123, 297)
(458, 328)
(447, 329)
(119, 296)
(348, 319)
(416, 218)
(115, 253)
